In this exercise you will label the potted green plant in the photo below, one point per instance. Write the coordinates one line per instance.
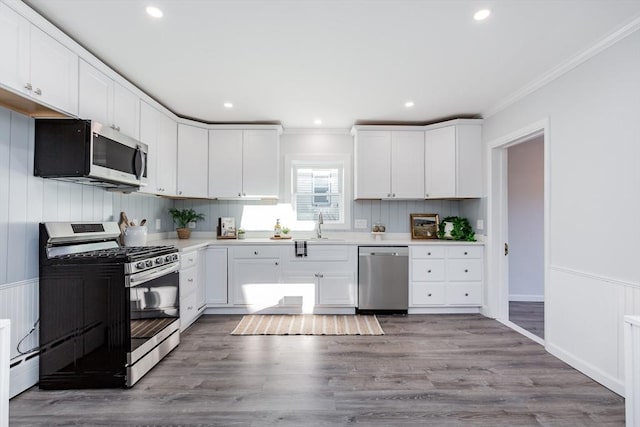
(241, 234)
(285, 230)
(456, 228)
(182, 218)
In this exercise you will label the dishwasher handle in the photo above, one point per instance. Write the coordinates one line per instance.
(383, 254)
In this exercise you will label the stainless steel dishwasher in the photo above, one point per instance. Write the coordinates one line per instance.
(383, 278)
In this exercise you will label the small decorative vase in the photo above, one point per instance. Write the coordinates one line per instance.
(183, 233)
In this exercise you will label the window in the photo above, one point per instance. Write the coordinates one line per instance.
(318, 186)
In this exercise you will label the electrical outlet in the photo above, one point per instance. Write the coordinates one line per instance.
(192, 225)
(158, 224)
(480, 224)
(361, 223)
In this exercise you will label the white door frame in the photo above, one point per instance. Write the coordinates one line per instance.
(498, 266)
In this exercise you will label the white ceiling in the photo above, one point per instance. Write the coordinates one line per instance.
(344, 61)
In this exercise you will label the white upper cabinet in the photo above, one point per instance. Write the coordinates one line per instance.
(407, 164)
(36, 65)
(167, 163)
(453, 161)
(102, 99)
(389, 164)
(243, 163)
(14, 48)
(193, 160)
(373, 165)
(95, 95)
(126, 111)
(260, 161)
(160, 133)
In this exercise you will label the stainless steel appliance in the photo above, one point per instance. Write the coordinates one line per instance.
(88, 152)
(383, 279)
(108, 314)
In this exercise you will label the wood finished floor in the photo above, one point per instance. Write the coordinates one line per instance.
(428, 370)
(528, 315)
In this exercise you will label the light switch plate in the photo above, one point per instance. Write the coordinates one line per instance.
(192, 225)
(158, 224)
(480, 224)
(360, 223)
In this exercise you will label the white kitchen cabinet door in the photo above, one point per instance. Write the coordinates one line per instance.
(126, 111)
(260, 163)
(193, 160)
(149, 120)
(216, 286)
(407, 164)
(337, 289)
(440, 162)
(95, 95)
(225, 163)
(201, 291)
(469, 162)
(253, 280)
(14, 48)
(54, 72)
(166, 160)
(373, 165)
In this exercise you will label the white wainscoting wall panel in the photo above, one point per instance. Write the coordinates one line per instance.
(584, 311)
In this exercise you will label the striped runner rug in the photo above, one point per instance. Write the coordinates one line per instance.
(308, 324)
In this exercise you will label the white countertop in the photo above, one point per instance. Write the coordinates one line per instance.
(360, 239)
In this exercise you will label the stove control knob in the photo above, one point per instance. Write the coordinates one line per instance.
(167, 258)
(174, 257)
(140, 265)
(159, 260)
(149, 263)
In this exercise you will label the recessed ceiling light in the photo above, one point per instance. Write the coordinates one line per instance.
(317, 122)
(409, 104)
(482, 14)
(154, 11)
(228, 105)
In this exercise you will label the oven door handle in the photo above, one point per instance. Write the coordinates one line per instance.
(140, 278)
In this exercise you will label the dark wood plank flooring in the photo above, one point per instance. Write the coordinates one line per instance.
(528, 315)
(428, 370)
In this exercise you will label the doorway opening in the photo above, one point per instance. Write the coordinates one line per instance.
(518, 230)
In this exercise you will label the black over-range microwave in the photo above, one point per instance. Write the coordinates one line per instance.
(87, 152)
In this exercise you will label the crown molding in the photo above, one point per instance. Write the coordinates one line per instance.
(565, 67)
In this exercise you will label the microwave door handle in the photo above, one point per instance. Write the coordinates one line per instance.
(139, 163)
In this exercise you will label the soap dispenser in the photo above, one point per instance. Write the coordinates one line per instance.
(277, 229)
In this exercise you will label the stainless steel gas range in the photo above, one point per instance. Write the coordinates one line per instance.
(108, 313)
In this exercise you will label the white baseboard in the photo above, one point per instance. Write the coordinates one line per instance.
(526, 298)
(24, 375)
(614, 384)
(443, 310)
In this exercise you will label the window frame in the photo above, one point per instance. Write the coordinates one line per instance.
(293, 161)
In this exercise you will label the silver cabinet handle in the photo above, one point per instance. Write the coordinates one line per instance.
(428, 253)
(466, 294)
(239, 194)
(393, 195)
(429, 295)
(466, 270)
(38, 91)
(179, 192)
(277, 263)
(255, 252)
(428, 271)
(28, 86)
(189, 280)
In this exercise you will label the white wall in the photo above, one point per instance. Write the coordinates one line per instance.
(594, 143)
(526, 220)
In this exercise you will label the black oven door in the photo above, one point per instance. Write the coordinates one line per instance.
(154, 309)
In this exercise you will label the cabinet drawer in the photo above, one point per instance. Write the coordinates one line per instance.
(427, 293)
(464, 294)
(188, 282)
(426, 270)
(464, 252)
(257, 252)
(464, 269)
(427, 252)
(322, 252)
(188, 310)
(188, 259)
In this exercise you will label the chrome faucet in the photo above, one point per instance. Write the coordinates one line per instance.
(319, 226)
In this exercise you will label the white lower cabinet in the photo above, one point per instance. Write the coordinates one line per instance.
(447, 277)
(264, 278)
(191, 285)
(215, 265)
